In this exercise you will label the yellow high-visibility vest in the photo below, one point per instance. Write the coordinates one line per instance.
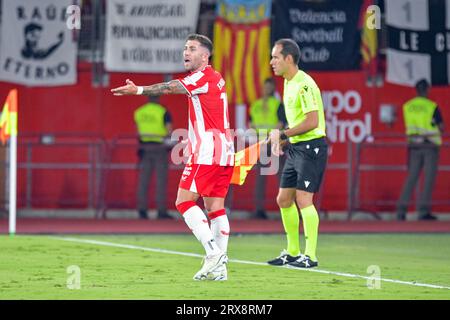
(149, 120)
(265, 118)
(418, 116)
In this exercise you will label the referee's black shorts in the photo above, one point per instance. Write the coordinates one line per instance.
(305, 165)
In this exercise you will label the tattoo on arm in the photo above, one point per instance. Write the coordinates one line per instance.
(171, 87)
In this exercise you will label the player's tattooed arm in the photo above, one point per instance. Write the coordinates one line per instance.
(171, 87)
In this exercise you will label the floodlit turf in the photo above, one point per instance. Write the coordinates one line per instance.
(36, 267)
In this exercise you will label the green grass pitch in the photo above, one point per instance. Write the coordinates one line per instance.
(38, 267)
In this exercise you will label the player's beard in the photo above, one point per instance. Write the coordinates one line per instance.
(189, 67)
(193, 67)
(195, 64)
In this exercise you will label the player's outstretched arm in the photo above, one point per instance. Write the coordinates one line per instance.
(158, 89)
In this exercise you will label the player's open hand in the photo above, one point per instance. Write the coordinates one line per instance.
(129, 89)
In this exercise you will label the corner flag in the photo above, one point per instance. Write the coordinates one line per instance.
(8, 130)
(8, 120)
(244, 161)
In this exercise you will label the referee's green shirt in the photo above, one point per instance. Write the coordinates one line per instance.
(302, 95)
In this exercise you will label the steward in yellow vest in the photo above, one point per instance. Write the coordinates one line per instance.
(267, 112)
(424, 124)
(423, 120)
(154, 124)
(151, 121)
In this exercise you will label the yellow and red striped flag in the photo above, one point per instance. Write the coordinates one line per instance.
(242, 47)
(8, 120)
(369, 40)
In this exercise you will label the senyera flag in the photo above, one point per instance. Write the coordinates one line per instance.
(8, 120)
(242, 47)
(244, 161)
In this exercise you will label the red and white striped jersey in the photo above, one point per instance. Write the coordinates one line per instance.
(210, 141)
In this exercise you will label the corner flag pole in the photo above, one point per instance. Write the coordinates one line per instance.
(8, 129)
(12, 184)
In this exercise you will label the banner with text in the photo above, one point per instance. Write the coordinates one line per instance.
(148, 35)
(418, 41)
(327, 32)
(37, 47)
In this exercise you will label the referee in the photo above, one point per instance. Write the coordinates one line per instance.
(306, 156)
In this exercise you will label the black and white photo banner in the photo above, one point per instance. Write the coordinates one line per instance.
(37, 47)
(418, 41)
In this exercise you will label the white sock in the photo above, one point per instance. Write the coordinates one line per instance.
(220, 228)
(198, 223)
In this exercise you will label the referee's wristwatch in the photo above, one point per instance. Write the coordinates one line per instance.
(283, 135)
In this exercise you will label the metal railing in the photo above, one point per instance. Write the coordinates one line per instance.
(90, 150)
(388, 143)
(96, 166)
(112, 165)
(100, 167)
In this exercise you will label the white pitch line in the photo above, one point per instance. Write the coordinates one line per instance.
(187, 254)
